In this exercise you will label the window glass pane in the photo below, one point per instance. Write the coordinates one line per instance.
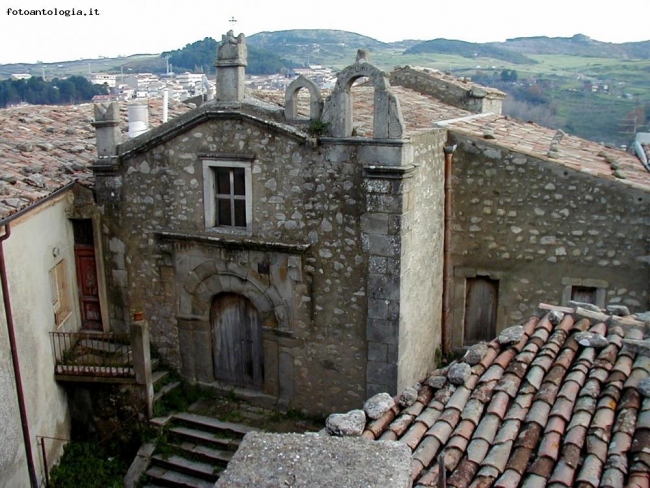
(240, 187)
(223, 212)
(240, 213)
(223, 180)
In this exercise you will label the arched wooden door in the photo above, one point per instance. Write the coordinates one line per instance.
(237, 341)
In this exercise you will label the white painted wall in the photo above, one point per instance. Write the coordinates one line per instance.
(29, 257)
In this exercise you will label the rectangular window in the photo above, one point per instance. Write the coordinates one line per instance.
(61, 293)
(231, 196)
(227, 195)
(584, 294)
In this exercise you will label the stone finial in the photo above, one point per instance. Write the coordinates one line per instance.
(232, 56)
(232, 50)
(363, 56)
(107, 112)
(107, 130)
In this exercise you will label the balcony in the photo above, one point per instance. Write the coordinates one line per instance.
(95, 357)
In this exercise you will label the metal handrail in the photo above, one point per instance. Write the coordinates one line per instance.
(92, 354)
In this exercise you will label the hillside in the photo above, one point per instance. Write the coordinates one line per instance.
(578, 45)
(469, 50)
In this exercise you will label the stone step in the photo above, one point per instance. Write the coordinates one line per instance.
(104, 360)
(218, 457)
(160, 421)
(164, 390)
(104, 347)
(213, 425)
(158, 376)
(212, 439)
(174, 479)
(197, 469)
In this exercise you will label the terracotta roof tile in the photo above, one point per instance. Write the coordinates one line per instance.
(546, 412)
(44, 148)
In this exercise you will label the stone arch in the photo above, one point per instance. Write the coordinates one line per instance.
(210, 278)
(291, 101)
(387, 118)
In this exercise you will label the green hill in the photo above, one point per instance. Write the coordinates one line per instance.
(469, 50)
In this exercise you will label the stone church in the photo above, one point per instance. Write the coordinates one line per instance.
(316, 250)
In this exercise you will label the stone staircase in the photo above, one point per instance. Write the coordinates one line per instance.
(192, 452)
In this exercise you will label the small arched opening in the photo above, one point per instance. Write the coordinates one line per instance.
(301, 97)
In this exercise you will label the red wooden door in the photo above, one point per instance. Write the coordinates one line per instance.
(91, 317)
(237, 341)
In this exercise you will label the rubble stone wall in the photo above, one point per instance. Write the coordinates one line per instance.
(539, 228)
(306, 208)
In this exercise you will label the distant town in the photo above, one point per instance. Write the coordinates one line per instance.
(184, 86)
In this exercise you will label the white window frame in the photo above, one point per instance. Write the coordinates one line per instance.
(210, 194)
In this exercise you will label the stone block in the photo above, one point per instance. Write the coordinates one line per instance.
(373, 389)
(285, 375)
(377, 351)
(374, 223)
(382, 331)
(271, 367)
(186, 345)
(203, 356)
(307, 460)
(384, 373)
(383, 287)
(378, 308)
(383, 245)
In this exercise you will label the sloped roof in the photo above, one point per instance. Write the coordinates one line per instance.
(422, 112)
(552, 408)
(556, 146)
(44, 148)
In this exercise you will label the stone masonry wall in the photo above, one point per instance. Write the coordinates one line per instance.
(470, 97)
(540, 227)
(422, 261)
(302, 195)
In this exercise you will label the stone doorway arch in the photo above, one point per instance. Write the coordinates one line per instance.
(198, 325)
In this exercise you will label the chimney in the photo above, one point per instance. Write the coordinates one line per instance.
(165, 105)
(138, 119)
(107, 130)
(231, 63)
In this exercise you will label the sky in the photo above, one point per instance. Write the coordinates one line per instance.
(125, 27)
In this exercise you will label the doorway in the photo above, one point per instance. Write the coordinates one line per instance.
(87, 283)
(237, 341)
(480, 310)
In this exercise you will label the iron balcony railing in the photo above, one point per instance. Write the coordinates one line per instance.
(93, 354)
